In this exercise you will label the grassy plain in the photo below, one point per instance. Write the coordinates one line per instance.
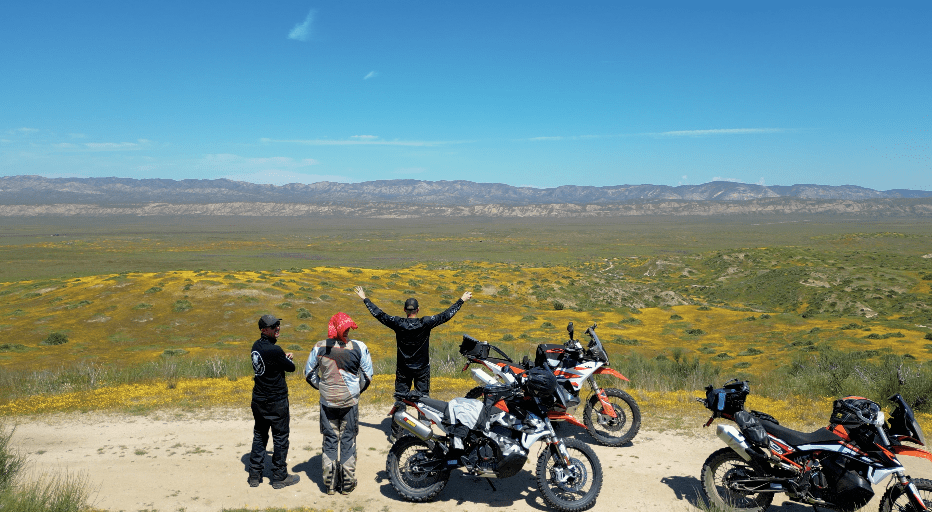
(136, 313)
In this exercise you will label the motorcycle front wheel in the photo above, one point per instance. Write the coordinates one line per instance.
(897, 500)
(719, 473)
(570, 488)
(611, 431)
(410, 469)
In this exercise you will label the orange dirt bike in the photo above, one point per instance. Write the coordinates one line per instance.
(611, 416)
(834, 468)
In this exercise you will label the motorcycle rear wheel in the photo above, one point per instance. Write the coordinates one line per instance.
(724, 466)
(611, 431)
(578, 492)
(896, 500)
(412, 482)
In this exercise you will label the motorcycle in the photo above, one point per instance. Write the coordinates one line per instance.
(491, 438)
(834, 467)
(611, 415)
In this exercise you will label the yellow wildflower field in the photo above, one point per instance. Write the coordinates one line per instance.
(133, 319)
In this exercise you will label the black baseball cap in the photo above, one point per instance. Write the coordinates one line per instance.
(268, 321)
(411, 304)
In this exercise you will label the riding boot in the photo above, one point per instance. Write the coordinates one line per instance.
(329, 473)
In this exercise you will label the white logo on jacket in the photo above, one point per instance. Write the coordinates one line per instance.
(258, 365)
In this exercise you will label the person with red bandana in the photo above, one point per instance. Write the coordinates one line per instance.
(412, 335)
(341, 369)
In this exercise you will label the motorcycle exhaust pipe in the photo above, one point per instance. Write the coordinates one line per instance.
(411, 424)
(734, 440)
(482, 378)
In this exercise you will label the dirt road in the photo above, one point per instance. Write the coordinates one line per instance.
(197, 462)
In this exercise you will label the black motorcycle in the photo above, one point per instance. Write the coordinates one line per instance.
(492, 438)
(834, 467)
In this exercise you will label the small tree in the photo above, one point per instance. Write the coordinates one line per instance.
(55, 338)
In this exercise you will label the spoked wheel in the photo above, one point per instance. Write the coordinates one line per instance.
(570, 488)
(414, 470)
(617, 430)
(896, 498)
(726, 482)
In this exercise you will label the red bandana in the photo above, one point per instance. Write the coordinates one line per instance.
(339, 325)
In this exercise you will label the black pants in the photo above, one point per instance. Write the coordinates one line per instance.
(274, 416)
(404, 378)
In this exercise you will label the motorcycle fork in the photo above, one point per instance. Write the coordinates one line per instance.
(607, 407)
(912, 492)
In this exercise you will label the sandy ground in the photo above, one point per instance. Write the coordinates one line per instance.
(170, 462)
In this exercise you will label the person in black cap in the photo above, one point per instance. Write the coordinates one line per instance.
(270, 405)
(412, 335)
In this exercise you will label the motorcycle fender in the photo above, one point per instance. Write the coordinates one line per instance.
(733, 438)
(562, 416)
(609, 371)
(912, 452)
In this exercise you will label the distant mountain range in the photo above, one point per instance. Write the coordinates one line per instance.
(35, 195)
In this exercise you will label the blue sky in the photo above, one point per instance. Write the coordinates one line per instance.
(536, 94)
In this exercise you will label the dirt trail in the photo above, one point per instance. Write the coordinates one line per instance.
(197, 462)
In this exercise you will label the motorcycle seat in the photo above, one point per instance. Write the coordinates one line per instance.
(797, 438)
(439, 405)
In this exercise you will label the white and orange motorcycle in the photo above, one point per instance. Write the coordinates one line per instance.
(611, 415)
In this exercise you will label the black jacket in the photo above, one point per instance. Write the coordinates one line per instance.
(269, 364)
(413, 334)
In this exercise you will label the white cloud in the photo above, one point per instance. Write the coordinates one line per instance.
(279, 178)
(302, 31)
(372, 74)
(276, 170)
(732, 180)
(112, 146)
(361, 140)
(411, 170)
(725, 131)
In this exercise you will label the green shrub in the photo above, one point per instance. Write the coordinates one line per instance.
(531, 318)
(182, 305)
(55, 338)
(928, 336)
(508, 337)
(546, 325)
(675, 317)
(171, 352)
(750, 351)
(154, 289)
(695, 332)
(557, 305)
(620, 340)
(12, 347)
(52, 493)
